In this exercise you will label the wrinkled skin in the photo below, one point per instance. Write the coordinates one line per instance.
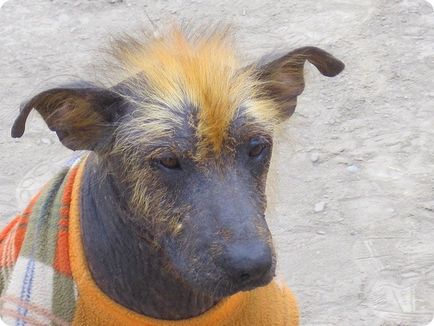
(219, 245)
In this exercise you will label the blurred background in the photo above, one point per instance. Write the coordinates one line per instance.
(351, 186)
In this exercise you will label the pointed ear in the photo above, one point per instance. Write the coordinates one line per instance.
(82, 117)
(284, 78)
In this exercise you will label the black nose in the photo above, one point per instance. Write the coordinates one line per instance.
(249, 264)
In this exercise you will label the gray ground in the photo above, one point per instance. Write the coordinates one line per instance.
(351, 186)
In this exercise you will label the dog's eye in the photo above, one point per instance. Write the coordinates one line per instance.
(258, 147)
(256, 150)
(170, 162)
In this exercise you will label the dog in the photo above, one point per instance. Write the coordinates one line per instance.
(162, 221)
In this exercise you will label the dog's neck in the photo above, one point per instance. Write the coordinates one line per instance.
(124, 266)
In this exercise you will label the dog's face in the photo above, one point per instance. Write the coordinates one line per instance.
(204, 206)
(188, 135)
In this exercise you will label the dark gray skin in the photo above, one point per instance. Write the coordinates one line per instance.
(228, 201)
(143, 283)
(224, 245)
(164, 292)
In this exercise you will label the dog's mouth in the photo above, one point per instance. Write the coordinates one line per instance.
(220, 285)
(261, 281)
(218, 276)
(227, 288)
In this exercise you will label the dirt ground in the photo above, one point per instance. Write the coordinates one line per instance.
(351, 186)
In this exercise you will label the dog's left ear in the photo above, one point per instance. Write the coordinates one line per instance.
(283, 78)
(83, 117)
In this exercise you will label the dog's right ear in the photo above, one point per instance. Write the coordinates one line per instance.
(283, 78)
(82, 117)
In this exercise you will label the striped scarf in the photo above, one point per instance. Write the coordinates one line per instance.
(36, 285)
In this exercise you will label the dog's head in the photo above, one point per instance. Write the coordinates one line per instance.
(189, 134)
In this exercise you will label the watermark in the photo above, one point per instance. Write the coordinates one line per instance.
(2, 2)
(431, 2)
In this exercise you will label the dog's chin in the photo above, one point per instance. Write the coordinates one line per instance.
(214, 288)
(225, 287)
(265, 280)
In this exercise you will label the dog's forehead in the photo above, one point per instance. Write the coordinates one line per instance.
(183, 138)
(193, 84)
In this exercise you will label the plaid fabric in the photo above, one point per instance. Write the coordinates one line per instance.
(36, 285)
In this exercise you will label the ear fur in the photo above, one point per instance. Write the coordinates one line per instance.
(283, 78)
(81, 116)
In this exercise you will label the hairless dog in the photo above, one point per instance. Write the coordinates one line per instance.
(164, 217)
